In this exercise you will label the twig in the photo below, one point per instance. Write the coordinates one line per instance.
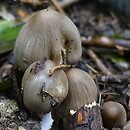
(100, 96)
(115, 79)
(58, 6)
(59, 67)
(91, 68)
(99, 63)
(98, 41)
(123, 43)
(105, 42)
(32, 2)
(66, 3)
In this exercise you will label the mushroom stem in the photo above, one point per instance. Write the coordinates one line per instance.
(47, 121)
(51, 71)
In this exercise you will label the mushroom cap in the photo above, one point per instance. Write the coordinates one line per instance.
(82, 91)
(113, 114)
(41, 92)
(47, 34)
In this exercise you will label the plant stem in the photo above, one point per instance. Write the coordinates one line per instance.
(51, 71)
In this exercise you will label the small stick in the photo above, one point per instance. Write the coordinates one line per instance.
(100, 99)
(66, 3)
(105, 42)
(115, 79)
(100, 96)
(59, 67)
(91, 68)
(99, 63)
(98, 41)
(58, 6)
(110, 94)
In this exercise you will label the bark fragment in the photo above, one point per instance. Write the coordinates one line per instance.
(87, 118)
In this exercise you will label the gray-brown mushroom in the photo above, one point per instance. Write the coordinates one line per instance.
(42, 92)
(113, 114)
(48, 34)
(82, 91)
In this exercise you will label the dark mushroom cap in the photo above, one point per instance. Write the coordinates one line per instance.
(82, 91)
(41, 92)
(113, 114)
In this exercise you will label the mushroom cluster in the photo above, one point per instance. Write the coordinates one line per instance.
(48, 42)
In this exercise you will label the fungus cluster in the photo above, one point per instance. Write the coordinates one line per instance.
(45, 44)
(48, 42)
(54, 36)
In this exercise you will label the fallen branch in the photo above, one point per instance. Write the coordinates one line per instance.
(67, 3)
(115, 79)
(98, 62)
(87, 118)
(106, 42)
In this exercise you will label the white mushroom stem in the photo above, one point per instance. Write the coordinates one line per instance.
(46, 122)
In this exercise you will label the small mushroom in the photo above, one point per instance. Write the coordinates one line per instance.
(41, 91)
(48, 34)
(113, 114)
(82, 91)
